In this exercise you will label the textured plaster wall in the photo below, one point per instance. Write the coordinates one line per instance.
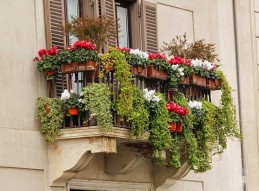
(212, 21)
(22, 149)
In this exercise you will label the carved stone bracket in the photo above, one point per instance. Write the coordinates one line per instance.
(124, 162)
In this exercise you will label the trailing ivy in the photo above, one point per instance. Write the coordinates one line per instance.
(160, 137)
(117, 59)
(51, 114)
(97, 101)
(139, 116)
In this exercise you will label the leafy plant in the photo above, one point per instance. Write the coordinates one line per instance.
(97, 101)
(96, 30)
(139, 116)
(158, 60)
(198, 49)
(51, 114)
(122, 73)
(46, 61)
(71, 100)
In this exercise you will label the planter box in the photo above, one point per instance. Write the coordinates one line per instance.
(139, 71)
(78, 67)
(154, 73)
(185, 81)
(172, 126)
(179, 127)
(198, 80)
(213, 84)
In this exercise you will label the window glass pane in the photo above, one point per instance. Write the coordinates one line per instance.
(72, 11)
(122, 16)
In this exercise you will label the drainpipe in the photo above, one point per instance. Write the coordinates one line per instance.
(238, 89)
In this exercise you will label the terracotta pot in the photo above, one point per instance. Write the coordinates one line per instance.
(154, 73)
(202, 81)
(50, 73)
(78, 67)
(172, 126)
(47, 109)
(213, 84)
(179, 127)
(73, 111)
(198, 80)
(139, 71)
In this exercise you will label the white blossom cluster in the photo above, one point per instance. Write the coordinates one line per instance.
(179, 69)
(150, 95)
(195, 104)
(205, 64)
(139, 53)
(65, 95)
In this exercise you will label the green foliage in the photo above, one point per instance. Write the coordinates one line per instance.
(160, 137)
(160, 64)
(51, 118)
(96, 30)
(47, 63)
(97, 101)
(139, 116)
(73, 102)
(122, 73)
(227, 119)
(77, 56)
(198, 49)
(135, 60)
(175, 152)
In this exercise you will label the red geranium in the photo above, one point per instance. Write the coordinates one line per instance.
(179, 60)
(84, 44)
(173, 107)
(153, 56)
(123, 50)
(52, 51)
(42, 52)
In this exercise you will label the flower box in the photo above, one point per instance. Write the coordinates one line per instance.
(198, 80)
(154, 73)
(73, 111)
(172, 126)
(78, 67)
(185, 81)
(139, 71)
(213, 84)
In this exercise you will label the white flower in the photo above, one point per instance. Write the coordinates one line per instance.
(195, 104)
(207, 65)
(81, 94)
(65, 95)
(139, 53)
(175, 66)
(72, 91)
(156, 99)
(196, 62)
(80, 100)
(180, 70)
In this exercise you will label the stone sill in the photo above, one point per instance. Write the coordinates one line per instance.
(122, 134)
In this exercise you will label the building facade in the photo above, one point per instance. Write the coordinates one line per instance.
(79, 159)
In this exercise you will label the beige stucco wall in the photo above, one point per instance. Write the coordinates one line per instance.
(23, 151)
(24, 156)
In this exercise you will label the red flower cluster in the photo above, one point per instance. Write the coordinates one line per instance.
(83, 44)
(173, 107)
(123, 50)
(179, 60)
(42, 52)
(153, 56)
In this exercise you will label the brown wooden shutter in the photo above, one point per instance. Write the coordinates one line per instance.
(55, 16)
(54, 11)
(90, 8)
(150, 27)
(109, 11)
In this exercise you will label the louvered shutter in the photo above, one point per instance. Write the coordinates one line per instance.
(90, 8)
(109, 12)
(150, 27)
(54, 11)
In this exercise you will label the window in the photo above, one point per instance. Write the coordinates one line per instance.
(122, 16)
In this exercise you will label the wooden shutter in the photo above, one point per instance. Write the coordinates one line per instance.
(109, 10)
(55, 16)
(150, 27)
(90, 8)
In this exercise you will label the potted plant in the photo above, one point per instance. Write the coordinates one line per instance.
(46, 62)
(72, 102)
(176, 112)
(96, 30)
(51, 119)
(157, 66)
(79, 57)
(138, 61)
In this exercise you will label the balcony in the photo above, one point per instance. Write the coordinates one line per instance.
(157, 109)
